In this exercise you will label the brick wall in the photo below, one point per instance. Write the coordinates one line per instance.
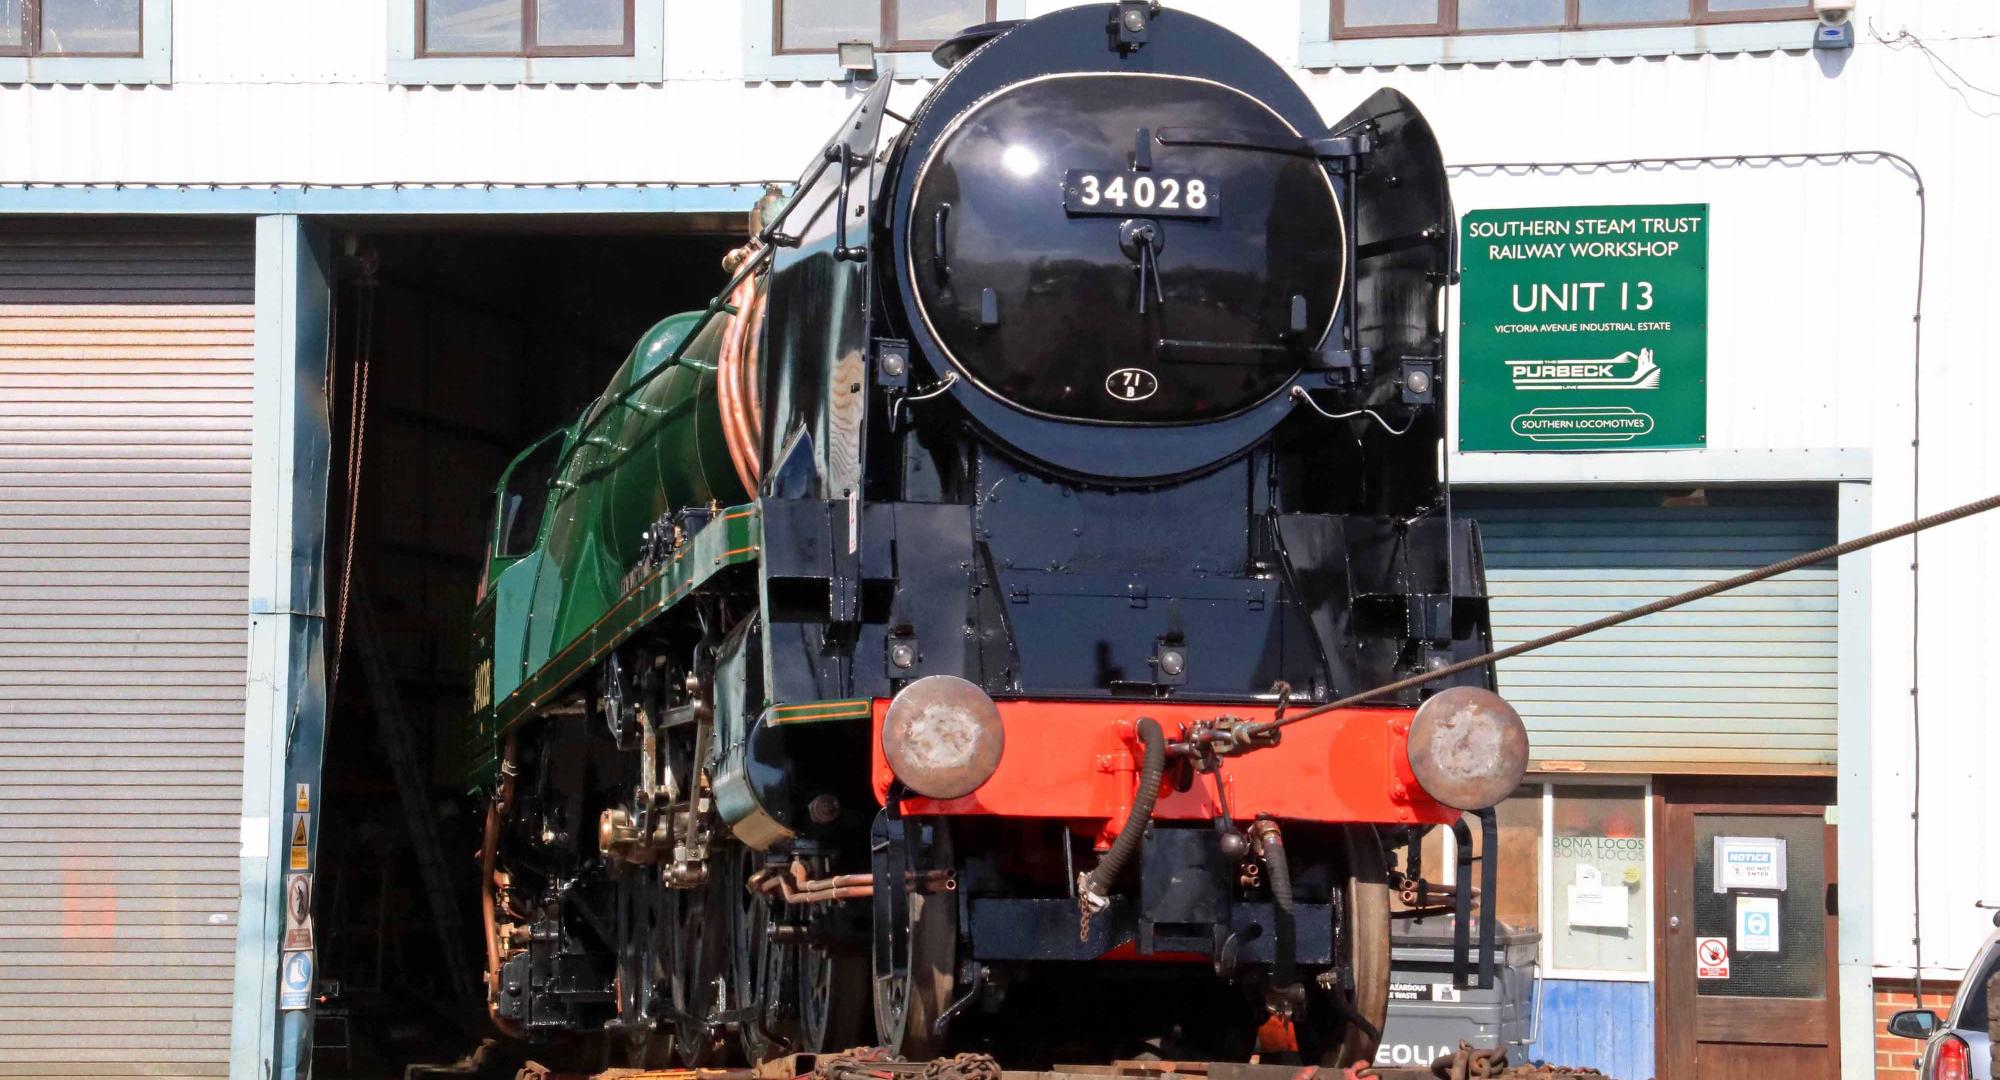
(1895, 1056)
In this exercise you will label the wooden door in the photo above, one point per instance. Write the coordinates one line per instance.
(1768, 1007)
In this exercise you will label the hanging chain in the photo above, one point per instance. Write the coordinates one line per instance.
(357, 433)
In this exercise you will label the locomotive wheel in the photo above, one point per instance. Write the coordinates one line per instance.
(916, 938)
(645, 927)
(833, 984)
(796, 988)
(763, 970)
(1368, 941)
(1327, 1035)
(699, 965)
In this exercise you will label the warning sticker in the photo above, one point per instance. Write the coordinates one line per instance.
(304, 800)
(1406, 991)
(1711, 958)
(298, 911)
(301, 844)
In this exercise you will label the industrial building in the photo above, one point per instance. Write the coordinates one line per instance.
(283, 287)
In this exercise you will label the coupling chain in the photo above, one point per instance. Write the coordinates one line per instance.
(873, 1063)
(963, 1067)
(1470, 1063)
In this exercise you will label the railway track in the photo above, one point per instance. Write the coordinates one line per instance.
(1468, 1063)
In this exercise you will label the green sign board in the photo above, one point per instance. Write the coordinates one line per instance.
(1584, 328)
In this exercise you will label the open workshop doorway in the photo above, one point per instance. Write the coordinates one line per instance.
(453, 347)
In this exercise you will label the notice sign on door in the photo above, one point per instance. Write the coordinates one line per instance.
(1757, 924)
(1749, 862)
(1584, 328)
(1711, 958)
(1592, 903)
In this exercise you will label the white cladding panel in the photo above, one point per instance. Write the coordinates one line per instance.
(1813, 267)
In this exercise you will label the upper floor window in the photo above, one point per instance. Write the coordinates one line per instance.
(106, 28)
(821, 26)
(473, 28)
(1414, 18)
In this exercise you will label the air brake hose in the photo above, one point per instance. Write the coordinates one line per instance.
(1284, 967)
(1094, 890)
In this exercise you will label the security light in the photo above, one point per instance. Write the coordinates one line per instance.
(857, 57)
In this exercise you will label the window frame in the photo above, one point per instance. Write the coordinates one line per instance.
(886, 17)
(152, 64)
(762, 61)
(1648, 900)
(643, 63)
(1319, 50)
(1447, 22)
(1547, 885)
(529, 48)
(31, 37)
(559, 438)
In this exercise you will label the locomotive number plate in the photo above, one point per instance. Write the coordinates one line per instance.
(1088, 191)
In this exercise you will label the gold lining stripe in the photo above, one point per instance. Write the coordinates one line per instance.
(822, 710)
(831, 706)
(786, 721)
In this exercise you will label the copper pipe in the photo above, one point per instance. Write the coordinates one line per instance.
(496, 811)
(725, 392)
(746, 411)
(492, 838)
(850, 892)
(728, 360)
(753, 371)
(749, 395)
(796, 888)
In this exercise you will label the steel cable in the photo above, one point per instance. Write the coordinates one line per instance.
(1750, 577)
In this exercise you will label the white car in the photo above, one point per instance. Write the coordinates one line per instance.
(1956, 1048)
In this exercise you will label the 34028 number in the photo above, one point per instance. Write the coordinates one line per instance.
(1169, 195)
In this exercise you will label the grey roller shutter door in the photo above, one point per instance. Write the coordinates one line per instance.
(1741, 682)
(125, 382)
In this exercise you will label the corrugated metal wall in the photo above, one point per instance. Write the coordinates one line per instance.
(1744, 681)
(125, 376)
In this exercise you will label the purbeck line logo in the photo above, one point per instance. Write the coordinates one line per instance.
(1588, 374)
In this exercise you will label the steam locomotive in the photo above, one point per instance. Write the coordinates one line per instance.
(889, 654)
